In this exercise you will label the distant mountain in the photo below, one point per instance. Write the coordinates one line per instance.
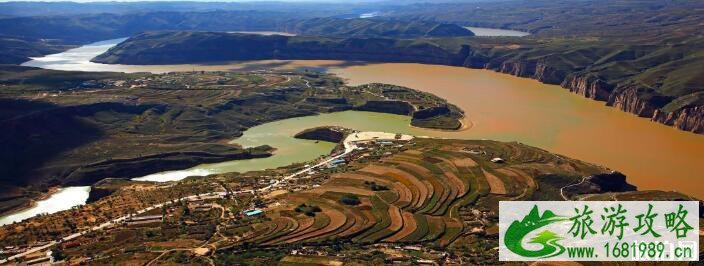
(63, 8)
(91, 28)
(618, 19)
(630, 21)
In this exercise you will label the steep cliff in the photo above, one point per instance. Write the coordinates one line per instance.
(518, 68)
(547, 74)
(689, 119)
(628, 100)
(587, 86)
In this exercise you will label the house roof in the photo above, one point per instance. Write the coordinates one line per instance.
(253, 212)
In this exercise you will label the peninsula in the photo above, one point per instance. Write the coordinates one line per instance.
(77, 128)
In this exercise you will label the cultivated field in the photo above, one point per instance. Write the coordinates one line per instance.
(424, 191)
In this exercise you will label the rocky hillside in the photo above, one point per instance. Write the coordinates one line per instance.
(174, 47)
(359, 27)
(16, 50)
(658, 81)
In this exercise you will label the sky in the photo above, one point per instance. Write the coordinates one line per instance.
(87, 1)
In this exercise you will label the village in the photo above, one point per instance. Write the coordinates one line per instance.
(222, 215)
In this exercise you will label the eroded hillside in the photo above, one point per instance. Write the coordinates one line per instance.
(76, 128)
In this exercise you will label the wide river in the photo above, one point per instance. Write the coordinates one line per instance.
(498, 106)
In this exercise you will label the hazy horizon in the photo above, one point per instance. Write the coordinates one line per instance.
(203, 1)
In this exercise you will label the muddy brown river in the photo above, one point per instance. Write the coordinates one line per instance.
(498, 106)
(504, 107)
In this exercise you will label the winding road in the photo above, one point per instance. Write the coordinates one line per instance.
(562, 189)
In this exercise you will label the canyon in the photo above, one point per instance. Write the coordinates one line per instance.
(607, 73)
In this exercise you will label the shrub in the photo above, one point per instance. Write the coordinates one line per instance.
(350, 199)
(309, 210)
(58, 254)
(375, 187)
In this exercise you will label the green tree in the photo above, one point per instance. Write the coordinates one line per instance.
(350, 199)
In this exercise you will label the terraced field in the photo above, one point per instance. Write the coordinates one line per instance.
(424, 192)
(435, 195)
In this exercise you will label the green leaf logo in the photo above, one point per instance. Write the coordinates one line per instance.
(515, 233)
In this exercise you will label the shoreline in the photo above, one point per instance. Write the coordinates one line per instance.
(465, 124)
(32, 203)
